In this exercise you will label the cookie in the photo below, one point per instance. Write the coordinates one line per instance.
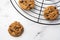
(26, 4)
(15, 29)
(51, 13)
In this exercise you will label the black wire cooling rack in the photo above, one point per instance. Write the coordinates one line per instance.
(36, 14)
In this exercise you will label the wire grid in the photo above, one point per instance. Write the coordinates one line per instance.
(41, 7)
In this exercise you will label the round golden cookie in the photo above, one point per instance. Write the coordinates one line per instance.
(26, 4)
(51, 13)
(15, 29)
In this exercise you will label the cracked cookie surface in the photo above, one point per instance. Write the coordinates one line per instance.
(15, 29)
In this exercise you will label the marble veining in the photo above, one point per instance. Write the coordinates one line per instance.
(8, 15)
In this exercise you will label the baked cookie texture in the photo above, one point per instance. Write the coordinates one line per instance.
(15, 29)
(51, 13)
(26, 4)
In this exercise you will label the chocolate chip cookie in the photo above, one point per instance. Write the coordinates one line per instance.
(15, 29)
(51, 13)
(26, 4)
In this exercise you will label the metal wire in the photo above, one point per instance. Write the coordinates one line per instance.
(38, 14)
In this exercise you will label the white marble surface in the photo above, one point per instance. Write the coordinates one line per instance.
(8, 15)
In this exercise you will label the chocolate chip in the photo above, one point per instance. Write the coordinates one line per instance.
(29, 4)
(54, 15)
(25, 1)
(11, 30)
(47, 15)
(48, 18)
(55, 7)
(30, 7)
(21, 1)
(50, 11)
